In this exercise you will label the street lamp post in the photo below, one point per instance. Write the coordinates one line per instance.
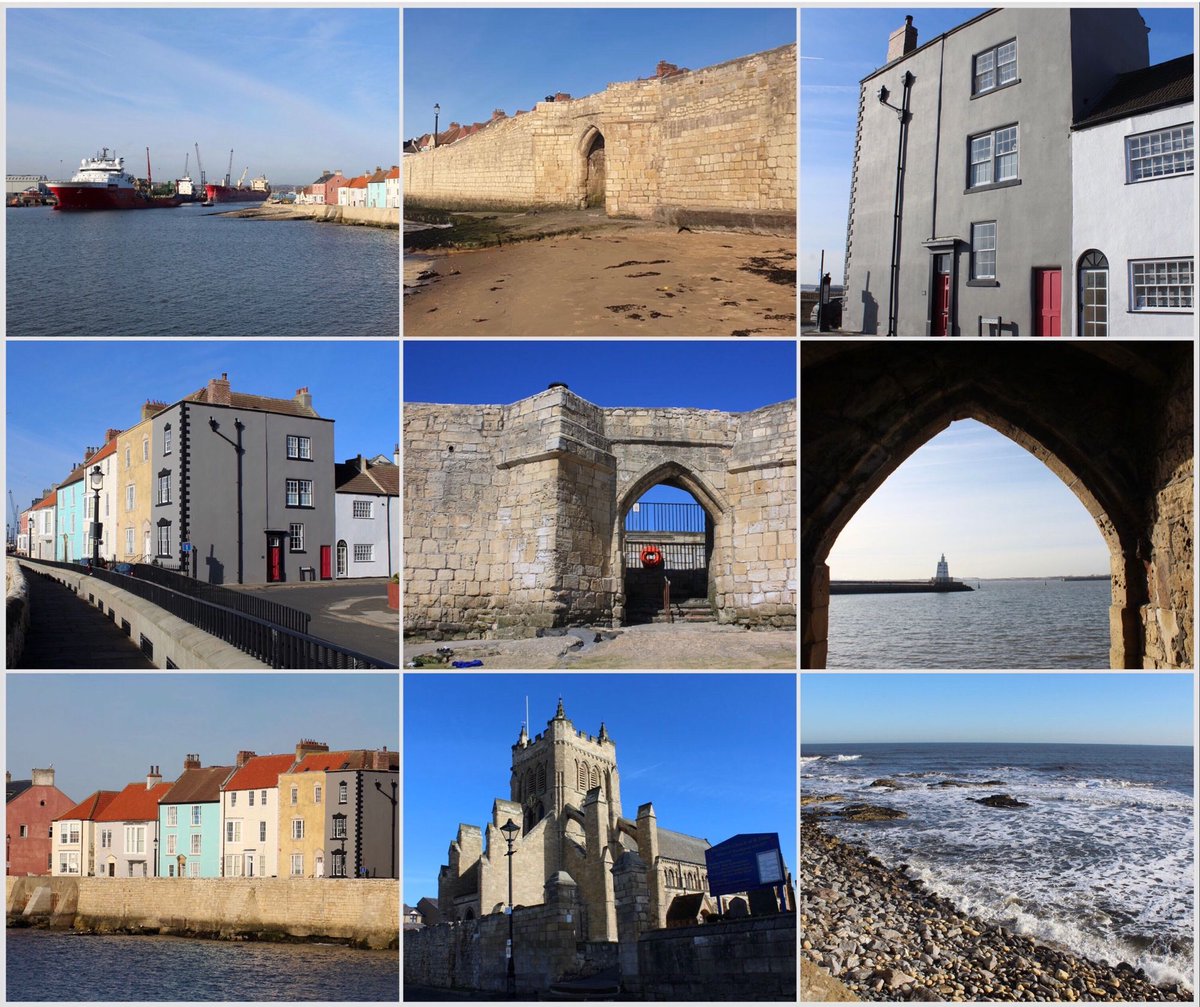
(436, 109)
(510, 830)
(96, 478)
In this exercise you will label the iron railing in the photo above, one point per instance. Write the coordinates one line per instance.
(676, 555)
(260, 608)
(267, 642)
(665, 517)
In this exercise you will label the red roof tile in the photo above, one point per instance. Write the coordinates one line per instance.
(136, 803)
(87, 809)
(49, 500)
(359, 758)
(260, 773)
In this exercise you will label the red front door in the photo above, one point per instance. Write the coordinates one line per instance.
(1047, 314)
(940, 322)
(274, 559)
(326, 562)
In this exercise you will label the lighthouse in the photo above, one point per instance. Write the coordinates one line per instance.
(943, 571)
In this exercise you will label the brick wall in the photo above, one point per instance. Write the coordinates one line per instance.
(716, 145)
(513, 513)
(748, 959)
(362, 911)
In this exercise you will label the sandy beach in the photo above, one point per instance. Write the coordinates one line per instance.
(626, 279)
(887, 938)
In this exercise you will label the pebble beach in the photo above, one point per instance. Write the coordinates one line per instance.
(888, 938)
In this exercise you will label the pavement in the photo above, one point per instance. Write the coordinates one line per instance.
(351, 613)
(66, 632)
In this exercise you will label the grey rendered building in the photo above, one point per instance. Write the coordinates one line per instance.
(361, 819)
(242, 487)
(960, 218)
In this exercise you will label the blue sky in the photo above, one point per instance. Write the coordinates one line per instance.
(838, 47)
(1110, 709)
(715, 754)
(471, 61)
(291, 91)
(103, 384)
(109, 729)
(713, 374)
(993, 508)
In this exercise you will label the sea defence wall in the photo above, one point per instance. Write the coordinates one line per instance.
(714, 147)
(514, 515)
(360, 911)
(894, 587)
(16, 616)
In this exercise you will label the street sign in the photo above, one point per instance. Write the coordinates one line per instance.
(186, 547)
(747, 861)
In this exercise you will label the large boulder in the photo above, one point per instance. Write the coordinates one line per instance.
(999, 801)
(870, 813)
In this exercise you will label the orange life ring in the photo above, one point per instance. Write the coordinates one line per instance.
(652, 556)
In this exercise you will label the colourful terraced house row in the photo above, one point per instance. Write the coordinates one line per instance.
(302, 814)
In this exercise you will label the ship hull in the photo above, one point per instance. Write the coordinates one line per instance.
(229, 194)
(86, 197)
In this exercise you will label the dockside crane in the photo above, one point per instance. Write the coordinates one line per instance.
(229, 172)
(15, 528)
(186, 155)
(243, 178)
(200, 167)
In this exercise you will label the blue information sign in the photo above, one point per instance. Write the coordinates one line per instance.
(745, 862)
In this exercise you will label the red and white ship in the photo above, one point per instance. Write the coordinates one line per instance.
(256, 192)
(101, 183)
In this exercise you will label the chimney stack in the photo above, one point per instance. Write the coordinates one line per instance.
(303, 397)
(110, 433)
(152, 408)
(43, 777)
(307, 747)
(218, 390)
(153, 778)
(191, 762)
(244, 757)
(903, 40)
(396, 454)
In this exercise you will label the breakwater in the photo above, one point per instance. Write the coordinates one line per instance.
(895, 586)
(366, 216)
(358, 911)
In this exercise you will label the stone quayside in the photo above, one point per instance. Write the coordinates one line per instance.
(887, 938)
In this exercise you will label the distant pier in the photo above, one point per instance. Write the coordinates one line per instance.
(895, 586)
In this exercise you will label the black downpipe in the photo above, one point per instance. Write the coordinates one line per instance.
(902, 145)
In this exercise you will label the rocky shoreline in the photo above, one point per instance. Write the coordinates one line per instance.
(887, 938)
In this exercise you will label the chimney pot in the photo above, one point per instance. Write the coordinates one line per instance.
(903, 40)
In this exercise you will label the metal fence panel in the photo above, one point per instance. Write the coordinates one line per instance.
(665, 517)
(676, 555)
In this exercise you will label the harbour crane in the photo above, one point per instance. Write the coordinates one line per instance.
(186, 155)
(200, 166)
(15, 529)
(243, 178)
(229, 172)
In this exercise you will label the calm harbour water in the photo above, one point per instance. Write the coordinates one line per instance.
(1006, 624)
(1100, 861)
(187, 272)
(53, 965)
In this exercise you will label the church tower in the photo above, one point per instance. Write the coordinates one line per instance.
(559, 767)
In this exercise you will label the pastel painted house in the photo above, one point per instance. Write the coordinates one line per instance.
(250, 815)
(106, 460)
(392, 187)
(69, 519)
(361, 818)
(189, 822)
(377, 188)
(128, 829)
(44, 525)
(354, 192)
(367, 517)
(30, 807)
(75, 836)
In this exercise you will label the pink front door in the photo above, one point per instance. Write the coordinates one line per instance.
(1047, 315)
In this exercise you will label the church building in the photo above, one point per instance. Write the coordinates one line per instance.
(565, 799)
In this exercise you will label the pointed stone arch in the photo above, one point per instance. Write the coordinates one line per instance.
(590, 161)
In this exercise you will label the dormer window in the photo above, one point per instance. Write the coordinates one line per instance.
(995, 68)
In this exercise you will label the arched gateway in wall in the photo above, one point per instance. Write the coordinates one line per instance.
(1114, 421)
(514, 515)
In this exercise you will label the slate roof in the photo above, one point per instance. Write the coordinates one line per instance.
(15, 788)
(260, 773)
(90, 807)
(76, 475)
(1145, 90)
(429, 911)
(677, 846)
(197, 786)
(378, 480)
(136, 803)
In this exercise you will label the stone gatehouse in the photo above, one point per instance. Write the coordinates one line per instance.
(515, 514)
(1114, 421)
(709, 147)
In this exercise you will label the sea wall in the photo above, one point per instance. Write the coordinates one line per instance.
(16, 611)
(711, 147)
(361, 911)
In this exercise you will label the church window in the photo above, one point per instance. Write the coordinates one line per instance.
(582, 777)
(595, 777)
(541, 778)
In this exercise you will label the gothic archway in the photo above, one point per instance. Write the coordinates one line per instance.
(591, 149)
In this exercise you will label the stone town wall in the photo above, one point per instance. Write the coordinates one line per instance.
(16, 620)
(513, 513)
(749, 959)
(1168, 617)
(715, 146)
(362, 911)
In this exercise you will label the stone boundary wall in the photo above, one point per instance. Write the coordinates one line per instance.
(365, 912)
(710, 147)
(748, 959)
(186, 646)
(16, 611)
(513, 514)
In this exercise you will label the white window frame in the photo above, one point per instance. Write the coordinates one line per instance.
(167, 439)
(264, 798)
(129, 541)
(299, 492)
(299, 447)
(339, 826)
(233, 830)
(317, 789)
(296, 536)
(295, 794)
(197, 810)
(233, 798)
(993, 64)
(1184, 269)
(250, 798)
(343, 791)
(297, 828)
(364, 552)
(196, 844)
(164, 547)
(171, 845)
(262, 832)
(976, 249)
(172, 814)
(135, 839)
(164, 488)
(363, 509)
(68, 861)
(1172, 146)
(297, 865)
(194, 869)
(105, 838)
(998, 150)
